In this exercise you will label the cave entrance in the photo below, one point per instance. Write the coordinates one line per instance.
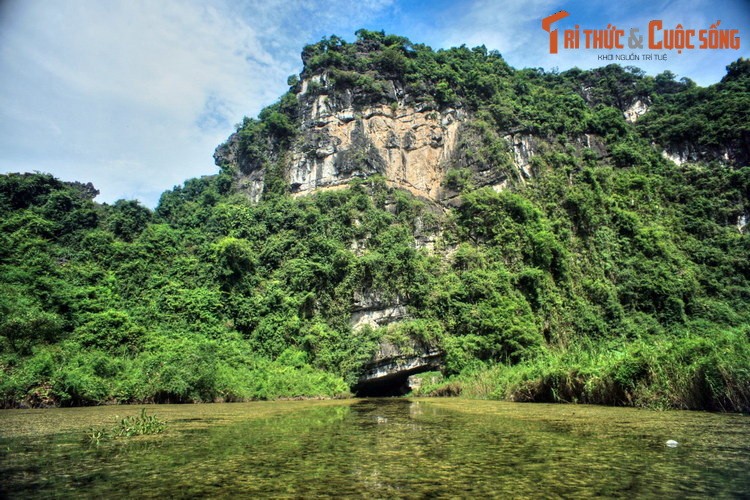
(389, 386)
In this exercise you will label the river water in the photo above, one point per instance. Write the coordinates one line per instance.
(378, 448)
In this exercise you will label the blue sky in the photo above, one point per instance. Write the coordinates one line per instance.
(134, 95)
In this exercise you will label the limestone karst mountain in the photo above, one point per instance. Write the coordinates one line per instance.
(522, 234)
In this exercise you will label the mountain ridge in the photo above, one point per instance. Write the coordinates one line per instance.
(384, 75)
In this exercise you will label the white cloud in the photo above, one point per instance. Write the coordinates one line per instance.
(503, 26)
(135, 95)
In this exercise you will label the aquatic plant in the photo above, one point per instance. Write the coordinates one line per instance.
(95, 436)
(134, 425)
(139, 425)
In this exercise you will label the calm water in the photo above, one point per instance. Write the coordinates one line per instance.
(379, 448)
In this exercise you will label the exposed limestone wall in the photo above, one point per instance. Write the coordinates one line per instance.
(369, 308)
(252, 184)
(742, 222)
(635, 111)
(524, 148)
(408, 146)
(344, 136)
(678, 158)
(250, 176)
(391, 361)
(377, 317)
(688, 153)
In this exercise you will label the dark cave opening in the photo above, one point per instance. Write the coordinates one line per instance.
(389, 386)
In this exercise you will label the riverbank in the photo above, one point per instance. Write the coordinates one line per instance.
(707, 369)
(710, 372)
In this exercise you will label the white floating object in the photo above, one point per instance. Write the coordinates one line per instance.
(672, 443)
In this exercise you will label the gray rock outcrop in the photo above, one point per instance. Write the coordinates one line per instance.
(392, 364)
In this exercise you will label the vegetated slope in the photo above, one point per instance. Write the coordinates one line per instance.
(561, 256)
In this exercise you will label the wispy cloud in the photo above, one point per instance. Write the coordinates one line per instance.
(509, 26)
(135, 95)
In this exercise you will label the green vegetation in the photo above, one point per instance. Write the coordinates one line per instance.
(706, 370)
(609, 275)
(134, 425)
(705, 121)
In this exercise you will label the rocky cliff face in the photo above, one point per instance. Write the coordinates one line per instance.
(368, 308)
(689, 153)
(250, 175)
(344, 135)
(388, 371)
(635, 111)
(409, 145)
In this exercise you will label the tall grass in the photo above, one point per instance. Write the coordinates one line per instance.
(709, 370)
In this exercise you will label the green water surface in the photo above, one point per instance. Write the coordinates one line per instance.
(378, 448)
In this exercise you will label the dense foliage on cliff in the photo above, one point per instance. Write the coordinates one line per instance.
(611, 276)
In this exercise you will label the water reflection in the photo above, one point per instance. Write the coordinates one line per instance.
(387, 448)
